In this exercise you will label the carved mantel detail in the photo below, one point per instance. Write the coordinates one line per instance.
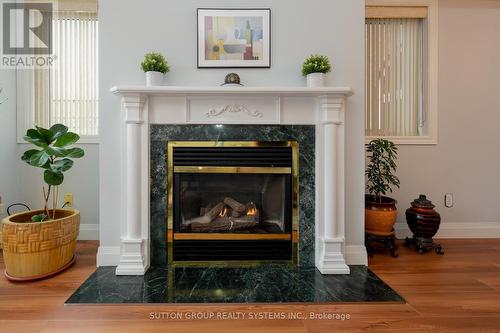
(233, 108)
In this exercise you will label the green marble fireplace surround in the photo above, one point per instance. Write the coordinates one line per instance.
(160, 135)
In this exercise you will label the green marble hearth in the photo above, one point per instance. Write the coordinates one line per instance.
(265, 284)
(261, 284)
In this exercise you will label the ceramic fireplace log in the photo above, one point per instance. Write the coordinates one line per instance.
(210, 215)
(237, 207)
(225, 224)
(218, 224)
(248, 206)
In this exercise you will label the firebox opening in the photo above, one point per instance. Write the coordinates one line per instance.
(232, 201)
(238, 203)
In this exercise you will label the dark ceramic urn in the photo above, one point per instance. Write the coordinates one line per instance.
(424, 223)
(422, 219)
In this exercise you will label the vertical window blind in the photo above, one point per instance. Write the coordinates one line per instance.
(394, 77)
(68, 92)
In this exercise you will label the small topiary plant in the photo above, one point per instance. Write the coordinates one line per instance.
(155, 62)
(316, 63)
(382, 156)
(54, 157)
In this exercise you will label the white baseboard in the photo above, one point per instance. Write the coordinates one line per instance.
(356, 255)
(108, 256)
(457, 230)
(89, 232)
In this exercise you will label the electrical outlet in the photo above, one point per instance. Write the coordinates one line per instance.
(68, 199)
(448, 200)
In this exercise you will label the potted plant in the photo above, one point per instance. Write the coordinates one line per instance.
(380, 211)
(41, 243)
(315, 68)
(155, 66)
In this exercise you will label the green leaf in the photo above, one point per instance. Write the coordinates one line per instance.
(74, 153)
(62, 165)
(39, 158)
(67, 139)
(34, 137)
(27, 155)
(55, 151)
(46, 165)
(57, 131)
(53, 178)
(382, 156)
(38, 218)
(47, 135)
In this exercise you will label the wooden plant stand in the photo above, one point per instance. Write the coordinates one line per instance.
(423, 245)
(379, 242)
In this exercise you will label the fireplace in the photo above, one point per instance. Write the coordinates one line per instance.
(232, 202)
(144, 195)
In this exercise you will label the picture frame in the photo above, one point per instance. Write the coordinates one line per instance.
(233, 38)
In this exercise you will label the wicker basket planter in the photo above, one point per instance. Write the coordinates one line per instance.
(35, 250)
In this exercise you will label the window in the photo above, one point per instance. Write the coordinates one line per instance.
(68, 91)
(399, 102)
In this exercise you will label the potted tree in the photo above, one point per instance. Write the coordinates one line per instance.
(380, 211)
(315, 68)
(41, 243)
(155, 66)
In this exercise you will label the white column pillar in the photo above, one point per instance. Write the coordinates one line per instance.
(331, 233)
(132, 258)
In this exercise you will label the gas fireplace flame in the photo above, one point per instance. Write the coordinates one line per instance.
(223, 212)
(252, 211)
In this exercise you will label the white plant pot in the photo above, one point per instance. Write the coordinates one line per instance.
(154, 78)
(316, 80)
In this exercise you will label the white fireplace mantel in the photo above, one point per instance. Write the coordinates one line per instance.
(324, 107)
(227, 90)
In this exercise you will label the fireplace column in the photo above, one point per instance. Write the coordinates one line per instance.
(132, 258)
(331, 231)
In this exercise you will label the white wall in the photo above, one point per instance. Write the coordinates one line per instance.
(21, 183)
(9, 191)
(467, 158)
(129, 29)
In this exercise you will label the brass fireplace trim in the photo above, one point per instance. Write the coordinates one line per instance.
(229, 236)
(220, 169)
(206, 169)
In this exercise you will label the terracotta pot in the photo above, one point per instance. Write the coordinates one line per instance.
(35, 250)
(380, 217)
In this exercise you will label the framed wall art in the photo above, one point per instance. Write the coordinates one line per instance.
(234, 38)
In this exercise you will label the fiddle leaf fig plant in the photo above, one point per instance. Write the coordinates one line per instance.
(54, 155)
(382, 156)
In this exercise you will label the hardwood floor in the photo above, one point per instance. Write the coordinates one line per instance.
(457, 292)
